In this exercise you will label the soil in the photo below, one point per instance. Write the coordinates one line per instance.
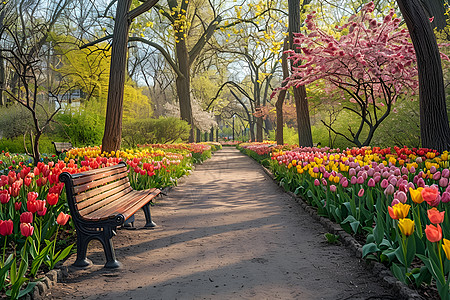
(226, 232)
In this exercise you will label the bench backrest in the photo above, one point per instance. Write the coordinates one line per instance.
(94, 189)
(62, 146)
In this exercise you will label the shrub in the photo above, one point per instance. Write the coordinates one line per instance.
(81, 127)
(155, 131)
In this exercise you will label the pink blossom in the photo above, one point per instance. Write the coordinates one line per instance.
(333, 188)
(443, 182)
(316, 182)
(353, 180)
(371, 182)
(384, 183)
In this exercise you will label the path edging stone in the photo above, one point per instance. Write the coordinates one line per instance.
(377, 269)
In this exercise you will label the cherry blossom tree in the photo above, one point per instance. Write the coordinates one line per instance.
(372, 61)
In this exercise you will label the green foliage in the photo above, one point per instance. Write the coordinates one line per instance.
(10, 125)
(81, 127)
(15, 145)
(290, 135)
(153, 131)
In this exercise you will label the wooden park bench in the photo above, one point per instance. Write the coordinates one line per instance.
(100, 200)
(61, 147)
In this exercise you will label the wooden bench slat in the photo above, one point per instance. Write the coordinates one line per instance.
(93, 184)
(96, 174)
(99, 209)
(101, 189)
(126, 206)
(104, 198)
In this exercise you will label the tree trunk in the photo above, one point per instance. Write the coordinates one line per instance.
(217, 134)
(211, 135)
(281, 96)
(183, 84)
(280, 122)
(434, 127)
(114, 109)
(301, 102)
(198, 136)
(2, 80)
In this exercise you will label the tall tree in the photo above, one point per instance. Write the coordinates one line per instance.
(434, 127)
(301, 102)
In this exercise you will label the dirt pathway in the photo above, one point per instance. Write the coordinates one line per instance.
(227, 232)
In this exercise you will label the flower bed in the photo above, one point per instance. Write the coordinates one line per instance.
(396, 198)
(33, 206)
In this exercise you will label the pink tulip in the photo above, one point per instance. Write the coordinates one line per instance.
(384, 183)
(433, 169)
(443, 182)
(389, 190)
(445, 198)
(316, 182)
(394, 202)
(361, 192)
(404, 170)
(445, 173)
(345, 183)
(353, 180)
(360, 180)
(333, 188)
(437, 175)
(351, 172)
(371, 182)
(412, 170)
(401, 196)
(420, 182)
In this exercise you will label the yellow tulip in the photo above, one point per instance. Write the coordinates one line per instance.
(406, 226)
(416, 195)
(446, 247)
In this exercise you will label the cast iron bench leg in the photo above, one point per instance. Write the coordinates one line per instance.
(148, 217)
(111, 261)
(82, 243)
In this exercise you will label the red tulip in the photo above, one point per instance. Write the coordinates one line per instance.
(32, 206)
(26, 217)
(62, 218)
(42, 212)
(27, 181)
(32, 196)
(434, 233)
(15, 188)
(4, 196)
(17, 205)
(6, 227)
(52, 198)
(26, 229)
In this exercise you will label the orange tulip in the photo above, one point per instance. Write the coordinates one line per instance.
(435, 216)
(430, 195)
(434, 233)
(62, 219)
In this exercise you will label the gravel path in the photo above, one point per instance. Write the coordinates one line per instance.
(227, 232)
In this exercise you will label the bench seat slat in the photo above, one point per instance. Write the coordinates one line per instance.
(100, 190)
(100, 200)
(126, 205)
(96, 174)
(92, 184)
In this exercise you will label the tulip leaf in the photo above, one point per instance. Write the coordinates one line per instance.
(369, 248)
(37, 261)
(27, 290)
(398, 272)
(410, 250)
(378, 231)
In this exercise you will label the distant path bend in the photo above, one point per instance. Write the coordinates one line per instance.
(227, 232)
